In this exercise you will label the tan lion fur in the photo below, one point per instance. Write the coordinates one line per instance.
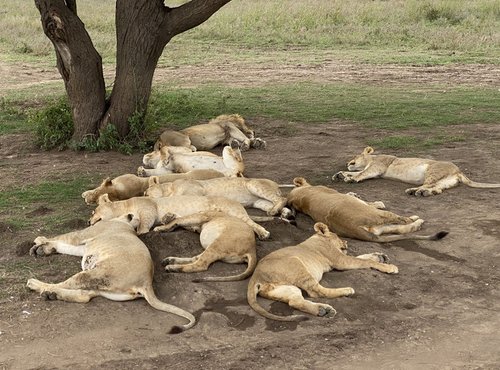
(221, 130)
(150, 211)
(351, 217)
(262, 194)
(180, 161)
(115, 264)
(284, 273)
(224, 238)
(433, 176)
(129, 186)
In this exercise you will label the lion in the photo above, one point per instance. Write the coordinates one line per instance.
(433, 176)
(284, 273)
(230, 164)
(116, 265)
(262, 194)
(129, 186)
(223, 237)
(350, 217)
(121, 187)
(150, 211)
(223, 129)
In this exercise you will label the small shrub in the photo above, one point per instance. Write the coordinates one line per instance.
(53, 125)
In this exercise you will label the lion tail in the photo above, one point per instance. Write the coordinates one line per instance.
(392, 238)
(252, 262)
(153, 300)
(253, 291)
(465, 180)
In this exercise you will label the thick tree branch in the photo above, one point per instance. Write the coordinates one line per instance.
(71, 4)
(189, 15)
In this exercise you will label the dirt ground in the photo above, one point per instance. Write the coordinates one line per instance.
(439, 312)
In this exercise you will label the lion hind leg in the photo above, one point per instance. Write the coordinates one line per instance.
(317, 290)
(200, 263)
(170, 261)
(394, 228)
(434, 187)
(365, 261)
(292, 296)
(57, 292)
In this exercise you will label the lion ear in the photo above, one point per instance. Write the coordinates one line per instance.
(154, 180)
(300, 181)
(368, 150)
(103, 199)
(107, 181)
(321, 228)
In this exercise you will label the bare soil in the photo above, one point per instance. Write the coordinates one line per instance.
(439, 312)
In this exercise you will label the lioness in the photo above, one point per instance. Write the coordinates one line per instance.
(351, 217)
(223, 237)
(150, 211)
(115, 264)
(129, 186)
(433, 176)
(282, 274)
(230, 164)
(262, 194)
(223, 129)
(121, 187)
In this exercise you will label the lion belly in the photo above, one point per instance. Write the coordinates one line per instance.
(186, 164)
(410, 174)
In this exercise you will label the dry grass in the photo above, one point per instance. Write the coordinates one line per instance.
(469, 27)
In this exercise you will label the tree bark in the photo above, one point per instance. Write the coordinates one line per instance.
(143, 28)
(78, 63)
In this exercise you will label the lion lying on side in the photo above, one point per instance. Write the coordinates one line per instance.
(177, 161)
(150, 211)
(262, 194)
(224, 238)
(282, 274)
(115, 264)
(129, 186)
(433, 176)
(351, 217)
(223, 129)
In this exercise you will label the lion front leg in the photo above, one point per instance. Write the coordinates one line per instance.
(345, 262)
(69, 290)
(44, 247)
(369, 172)
(292, 296)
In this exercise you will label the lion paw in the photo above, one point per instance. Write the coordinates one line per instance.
(326, 311)
(392, 269)
(259, 144)
(39, 250)
(264, 235)
(40, 240)
(168, 217)
(49, 296)
(380, 257)
(167, 261)
(339, 176)
(141, 171)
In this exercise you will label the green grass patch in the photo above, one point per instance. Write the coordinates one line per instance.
(50, 192)
(459, 28)
(13, 119)
(405, 142)
(48, 204)
(394, 108)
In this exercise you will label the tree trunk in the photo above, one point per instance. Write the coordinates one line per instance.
(139, 46)
(143, 29)
(78, 63)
